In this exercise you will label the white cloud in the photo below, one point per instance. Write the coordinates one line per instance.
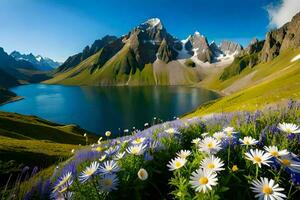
(283, 12)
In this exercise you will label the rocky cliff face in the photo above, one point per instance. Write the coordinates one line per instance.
(229, 47)
(74, 60)
(279, 40)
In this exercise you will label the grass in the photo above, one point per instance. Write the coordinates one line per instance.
(31, 141)
(273, 82)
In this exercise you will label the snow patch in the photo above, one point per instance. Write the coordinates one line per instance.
(153, 22)
(296, 58)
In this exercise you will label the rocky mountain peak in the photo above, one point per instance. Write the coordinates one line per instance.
(153, 23)
(229, 47)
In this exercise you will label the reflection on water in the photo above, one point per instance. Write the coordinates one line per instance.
(106, 108)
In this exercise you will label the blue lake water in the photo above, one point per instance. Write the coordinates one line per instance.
(98, 109)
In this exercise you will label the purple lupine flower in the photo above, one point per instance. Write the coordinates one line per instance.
(295, 178)
(34, 171)
(291, 136)
(148, 156)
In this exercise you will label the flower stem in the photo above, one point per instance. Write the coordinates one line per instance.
(290, 190)
(95, 186)
(256, 173)
(228, 155)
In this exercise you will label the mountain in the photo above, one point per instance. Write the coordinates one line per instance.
(74, 60)
(147, 55)
(15, 72)
(282, 39)
(39, 62)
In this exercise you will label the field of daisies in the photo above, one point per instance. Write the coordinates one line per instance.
(239, 155)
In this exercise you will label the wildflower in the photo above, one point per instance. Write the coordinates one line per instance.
(248, 141)
(99, 149)
(209, 145)
(142, 174)
(202, 180)
(99, 140)
(183, 153)
(138, 140)
(288, 162)
(109, 182)
(65, 180)
(119, 156)
(102, 158)
(84, 135)
(136, 149)
(267, 189)
(109, 167)
(289, 128)
(107, 133)
(234, 168)
(212, 163)
(219, 135)
(204, 134)
(146, 124)
(89, 172)
(176, 163)
(273, 150)
(73, 150)
(196, 141)
(126, 131)
(229, 131)
(171, 131)
(258, 157)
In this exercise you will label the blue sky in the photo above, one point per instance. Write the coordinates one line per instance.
(60, 28)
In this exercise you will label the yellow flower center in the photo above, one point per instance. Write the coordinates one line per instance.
(177, 164)
(210, 166)
(286, 162)
(257, 159)
(274, 153)
(247, 142)
(134, 150)
(288, 130)
(210, 145)
(203, 180)
(90, 172)
(107, 182)
(138, 140)
(142, 173)
(267, 190)
(235, 168)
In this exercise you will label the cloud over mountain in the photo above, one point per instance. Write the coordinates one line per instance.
(283, 12)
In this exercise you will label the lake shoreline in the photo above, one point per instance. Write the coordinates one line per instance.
(11, 100)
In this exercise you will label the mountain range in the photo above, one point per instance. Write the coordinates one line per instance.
(39, 62)
(147, 55)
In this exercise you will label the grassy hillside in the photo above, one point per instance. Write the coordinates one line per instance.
(31, 141)
(266, 83)
(122, 69)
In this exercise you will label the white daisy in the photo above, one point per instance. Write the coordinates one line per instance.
(258, 157)
(248, 140)
(229, 131)
(183, 153)
(209, 145)
(89, 172)
(289, 128)
(212, 163)
(219, 135)
(202, 180)
(142, 174)
(107, 133)
(291, 164)
(176, 163)
(109, 167)
(138, 140)
(196, 141)
(171, 130)
(273, 150)
(119, 156)
(266, 189)
(109, 182)
(136, 149)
